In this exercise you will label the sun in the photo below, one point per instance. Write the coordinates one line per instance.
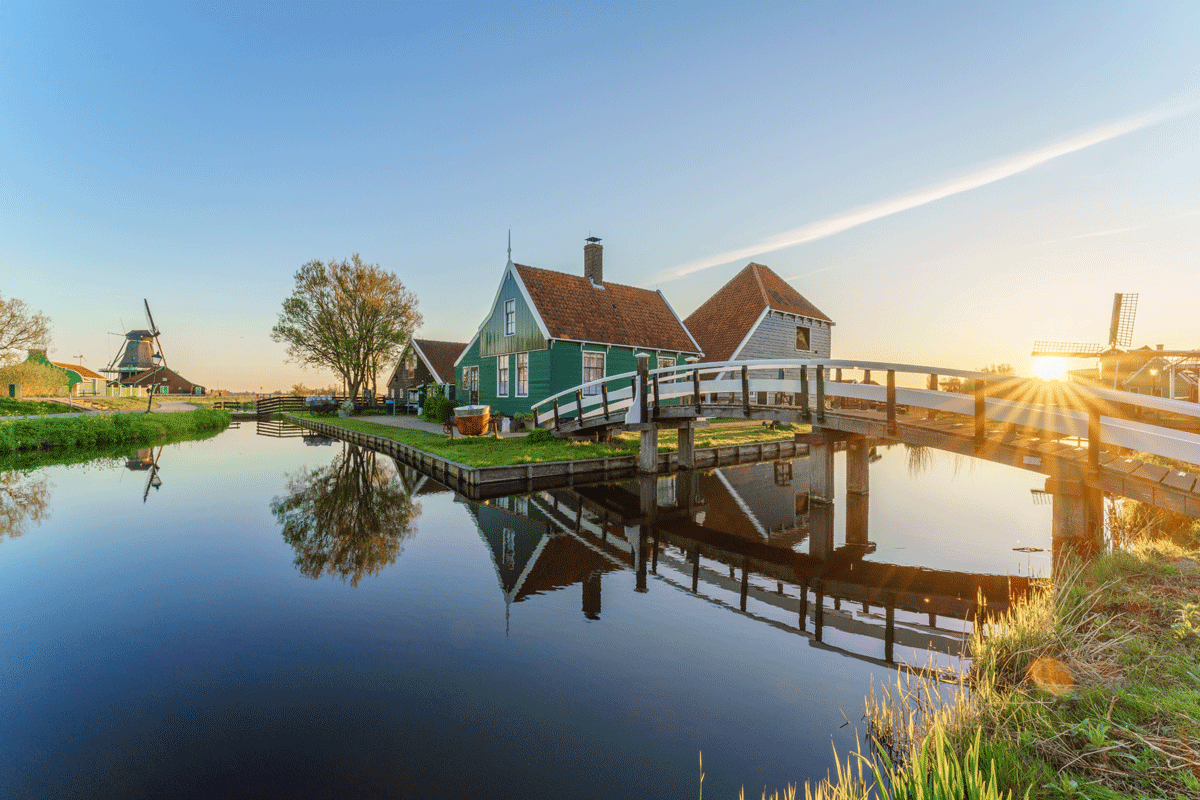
(1050, 368)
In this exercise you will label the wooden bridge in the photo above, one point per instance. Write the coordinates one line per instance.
(1088, 441)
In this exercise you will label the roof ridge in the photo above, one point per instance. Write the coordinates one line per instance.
(762, 290)
(585, 278)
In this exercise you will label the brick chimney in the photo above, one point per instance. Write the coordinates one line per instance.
(593, 261)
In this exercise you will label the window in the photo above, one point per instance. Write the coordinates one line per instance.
(664, 361)
(411, 365)
(502, 376)
(522, 374)
(593, 370)
(802, 337)
(510, 317)
(509, 551)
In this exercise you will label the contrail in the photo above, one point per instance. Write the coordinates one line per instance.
(982, 176)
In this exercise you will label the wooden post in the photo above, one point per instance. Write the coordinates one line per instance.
(579, 405)
(820, 392)
(656, 401)
(805, 414)
(866, 376)
(643, 368)
(933, 387)
(1093, 441)
(746, 391)
(891, 401)
(696, 389)
(980, 412)
(556, 413)
(604, 399)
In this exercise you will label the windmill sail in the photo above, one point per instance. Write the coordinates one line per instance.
(1120, 328)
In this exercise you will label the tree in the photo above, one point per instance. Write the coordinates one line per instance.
(347, 316)
(21, 328)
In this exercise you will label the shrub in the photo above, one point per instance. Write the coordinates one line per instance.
(539, 435)
(438, 408)
(35, 380)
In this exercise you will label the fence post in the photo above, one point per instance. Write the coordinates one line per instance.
(805, 414)
(980, 412)
(604, 399)
(696, 389)
(556, 413)
(933, 387)
(642, 381)
(746, 391)
(891, 401)
(1093, 441)
(579, 405)
(656, 402)
(820, 392)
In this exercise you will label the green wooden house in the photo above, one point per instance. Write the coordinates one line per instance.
(548, 331)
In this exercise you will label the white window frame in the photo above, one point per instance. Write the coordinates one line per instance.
(522, 391)
(593, 390)
(510, 317)
(503, 368)
(807, 336)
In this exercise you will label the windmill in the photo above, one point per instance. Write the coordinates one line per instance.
(1120, 334)
(141, 351)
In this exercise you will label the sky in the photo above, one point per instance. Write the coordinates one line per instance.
(949, 182)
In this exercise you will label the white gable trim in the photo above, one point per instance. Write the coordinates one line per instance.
(737, 350)
(509, 269)
(417, 348)
(677, 319)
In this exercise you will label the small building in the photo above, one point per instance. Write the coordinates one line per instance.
(162, 380)
(757, 314)
(548, 331)
(1143, 371)
(77, 373)
(423, 362)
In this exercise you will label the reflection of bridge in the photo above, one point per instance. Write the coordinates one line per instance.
(686, 538)
(1021, 422)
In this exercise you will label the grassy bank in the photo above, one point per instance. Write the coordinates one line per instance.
(25, 460)
(88, 431)
(10, 407)
(1091, 689)
(488, 451)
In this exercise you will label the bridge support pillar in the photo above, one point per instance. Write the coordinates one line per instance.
(1078, 524)
(687, 447)
(648, 453)
(820, 469)
(820, 529)
(858, 476)
(857, 515)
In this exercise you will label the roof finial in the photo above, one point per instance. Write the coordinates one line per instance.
(510, 244)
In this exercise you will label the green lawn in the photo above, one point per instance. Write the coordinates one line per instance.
(10, 407)
(488, 451)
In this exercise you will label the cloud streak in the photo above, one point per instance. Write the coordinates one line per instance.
(981, 176)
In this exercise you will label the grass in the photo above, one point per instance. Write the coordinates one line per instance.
(488, 451)
(24, 460)
(114, 403)
(10, 407)
(88, 431)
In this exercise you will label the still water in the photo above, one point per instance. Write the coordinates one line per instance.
(251, 616)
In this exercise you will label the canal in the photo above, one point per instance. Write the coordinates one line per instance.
(280, 615)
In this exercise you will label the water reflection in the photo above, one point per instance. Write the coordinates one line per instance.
(145, 459)
(349, 518)
(24, 499)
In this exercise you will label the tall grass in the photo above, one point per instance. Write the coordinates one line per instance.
(102, 429)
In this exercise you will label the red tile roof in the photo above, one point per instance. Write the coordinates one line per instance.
(722, 322)
(573, 308)
(440, 356)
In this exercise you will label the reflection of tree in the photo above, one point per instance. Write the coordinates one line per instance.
(23, 499)
(349, 518)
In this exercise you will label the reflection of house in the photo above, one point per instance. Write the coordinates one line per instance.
(531, 557)
(424, 361)
(759, 315)
(759, 502)
(548, 331)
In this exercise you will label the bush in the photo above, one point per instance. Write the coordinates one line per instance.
(539, 435)
(438, 408)
(35, 380)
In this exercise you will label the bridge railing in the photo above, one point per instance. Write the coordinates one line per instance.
(1066, 409)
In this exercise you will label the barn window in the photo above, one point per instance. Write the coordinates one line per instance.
(522, 374)
(411, 365)
(510, 317)
(593, 370)
(502, 376)
(802, 337)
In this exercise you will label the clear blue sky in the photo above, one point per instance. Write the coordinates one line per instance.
(1044, 156)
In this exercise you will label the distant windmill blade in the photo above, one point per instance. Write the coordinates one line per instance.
(153, 328)
(1066, 349)
(1120, 328)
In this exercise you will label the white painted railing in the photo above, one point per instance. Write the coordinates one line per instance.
(1067, 413)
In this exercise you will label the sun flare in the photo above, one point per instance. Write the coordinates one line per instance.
(1050, 368)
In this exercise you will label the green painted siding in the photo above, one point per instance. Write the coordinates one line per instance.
(528, 335)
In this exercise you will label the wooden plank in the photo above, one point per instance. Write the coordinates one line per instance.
(1184, 481)
(1126, 466)
(1153, 472)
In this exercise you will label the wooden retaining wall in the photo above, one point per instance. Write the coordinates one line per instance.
(484, 482)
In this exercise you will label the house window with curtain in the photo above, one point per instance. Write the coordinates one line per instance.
(522, 374)
(502, 376)
(593, 370)
(510, 317)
